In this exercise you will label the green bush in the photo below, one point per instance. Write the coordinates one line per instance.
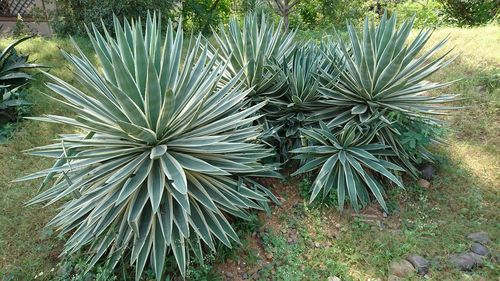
(427, 13)
(70, 16)
(471, 12)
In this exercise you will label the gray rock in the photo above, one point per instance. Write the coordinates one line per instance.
(333, 278)
(479, 249)
(427, 172)
(229, 274)
(421, 264)
(401, 268)
(480, 237)
(466, 261)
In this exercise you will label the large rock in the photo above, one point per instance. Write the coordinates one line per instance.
(401, 268)
(420, 263)
(479, 249)
(480, 237)
(466, 261)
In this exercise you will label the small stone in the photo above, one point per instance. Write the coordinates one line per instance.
(337, 225)
(317, 245)
(393, 278)
(245, 276)
(401, 268)
(269, 256)
(480, 249)
(479, 237)
(384, 214)
(427, 172)
(421, 264)
(466, 261)
(424, 183)
(229, 274)
(333, 278)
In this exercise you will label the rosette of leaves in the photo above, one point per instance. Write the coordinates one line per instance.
(161, 151)
(384, 73)
(350, 162)
(257, 49)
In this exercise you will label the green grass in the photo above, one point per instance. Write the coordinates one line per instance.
(464, 196)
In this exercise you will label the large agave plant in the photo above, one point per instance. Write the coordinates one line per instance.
(257, 49)
(386, 73)
(349, 162)
(160, 154)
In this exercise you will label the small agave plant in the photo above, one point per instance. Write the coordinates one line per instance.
(160, 154)
(348, 161)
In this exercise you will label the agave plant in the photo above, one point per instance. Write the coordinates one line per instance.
(350, 162)
(161, 152)
(385, 73)
(13, 66)
(13, 79)
(257, 49)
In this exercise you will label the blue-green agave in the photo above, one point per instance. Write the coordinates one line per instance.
(161, 152)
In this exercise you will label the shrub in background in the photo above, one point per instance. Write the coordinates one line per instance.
(70, 16)
(427, 12)
(471, 12)
(162, 153)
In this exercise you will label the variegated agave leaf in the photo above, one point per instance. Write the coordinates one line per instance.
(348, 160)
(301, 97)
(165, 155)
(257, 49)
(386, 73)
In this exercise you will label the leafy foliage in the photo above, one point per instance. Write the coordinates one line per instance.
(162, 152)
(471, 12)
(427, 13)
(349, 160)
(199, 15)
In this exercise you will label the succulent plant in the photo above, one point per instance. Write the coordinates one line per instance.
(161, 150)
